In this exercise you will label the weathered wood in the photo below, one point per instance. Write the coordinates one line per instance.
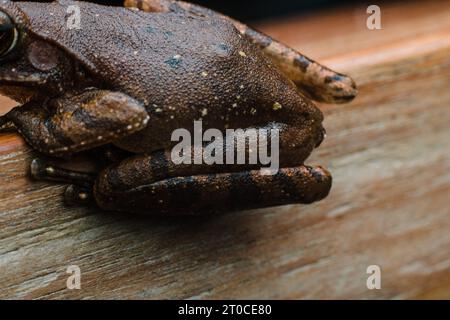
(389, 152)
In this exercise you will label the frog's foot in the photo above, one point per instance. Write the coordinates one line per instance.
(42, 170)
(79, 191)
(152, 185)
(313, 79)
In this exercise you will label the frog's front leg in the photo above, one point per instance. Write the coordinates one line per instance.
(79, 122)
(313, 79)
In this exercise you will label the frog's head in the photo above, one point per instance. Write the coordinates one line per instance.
(29, 65)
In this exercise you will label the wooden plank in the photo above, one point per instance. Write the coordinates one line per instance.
(389, 152)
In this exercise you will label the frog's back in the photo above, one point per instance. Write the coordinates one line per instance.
(135, 51)
(183, 67)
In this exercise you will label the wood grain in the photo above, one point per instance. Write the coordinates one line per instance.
(389, 152)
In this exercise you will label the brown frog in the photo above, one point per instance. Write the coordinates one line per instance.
(121, 82)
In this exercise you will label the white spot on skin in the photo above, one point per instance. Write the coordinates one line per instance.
(130, 127)
(83, 196)
(242, 54)
(277, 106)
(204, 74)
(204, 112)
(50, 170)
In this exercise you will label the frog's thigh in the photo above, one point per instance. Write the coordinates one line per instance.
(151, 186)
(81, 122)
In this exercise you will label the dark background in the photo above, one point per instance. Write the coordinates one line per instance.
(261, 9)
(248, 10)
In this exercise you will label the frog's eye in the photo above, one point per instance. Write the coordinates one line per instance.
(9, 35)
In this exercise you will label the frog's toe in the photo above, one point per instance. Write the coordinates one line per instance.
(330, 88)
(321, 137)
(43, 170)
(6, 125)
(319, 182)
(340, 89)
(78, 196)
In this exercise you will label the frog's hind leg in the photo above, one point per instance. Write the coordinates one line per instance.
(151, 185)
(313, 79)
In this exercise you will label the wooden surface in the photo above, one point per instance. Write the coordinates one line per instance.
(389, 152)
